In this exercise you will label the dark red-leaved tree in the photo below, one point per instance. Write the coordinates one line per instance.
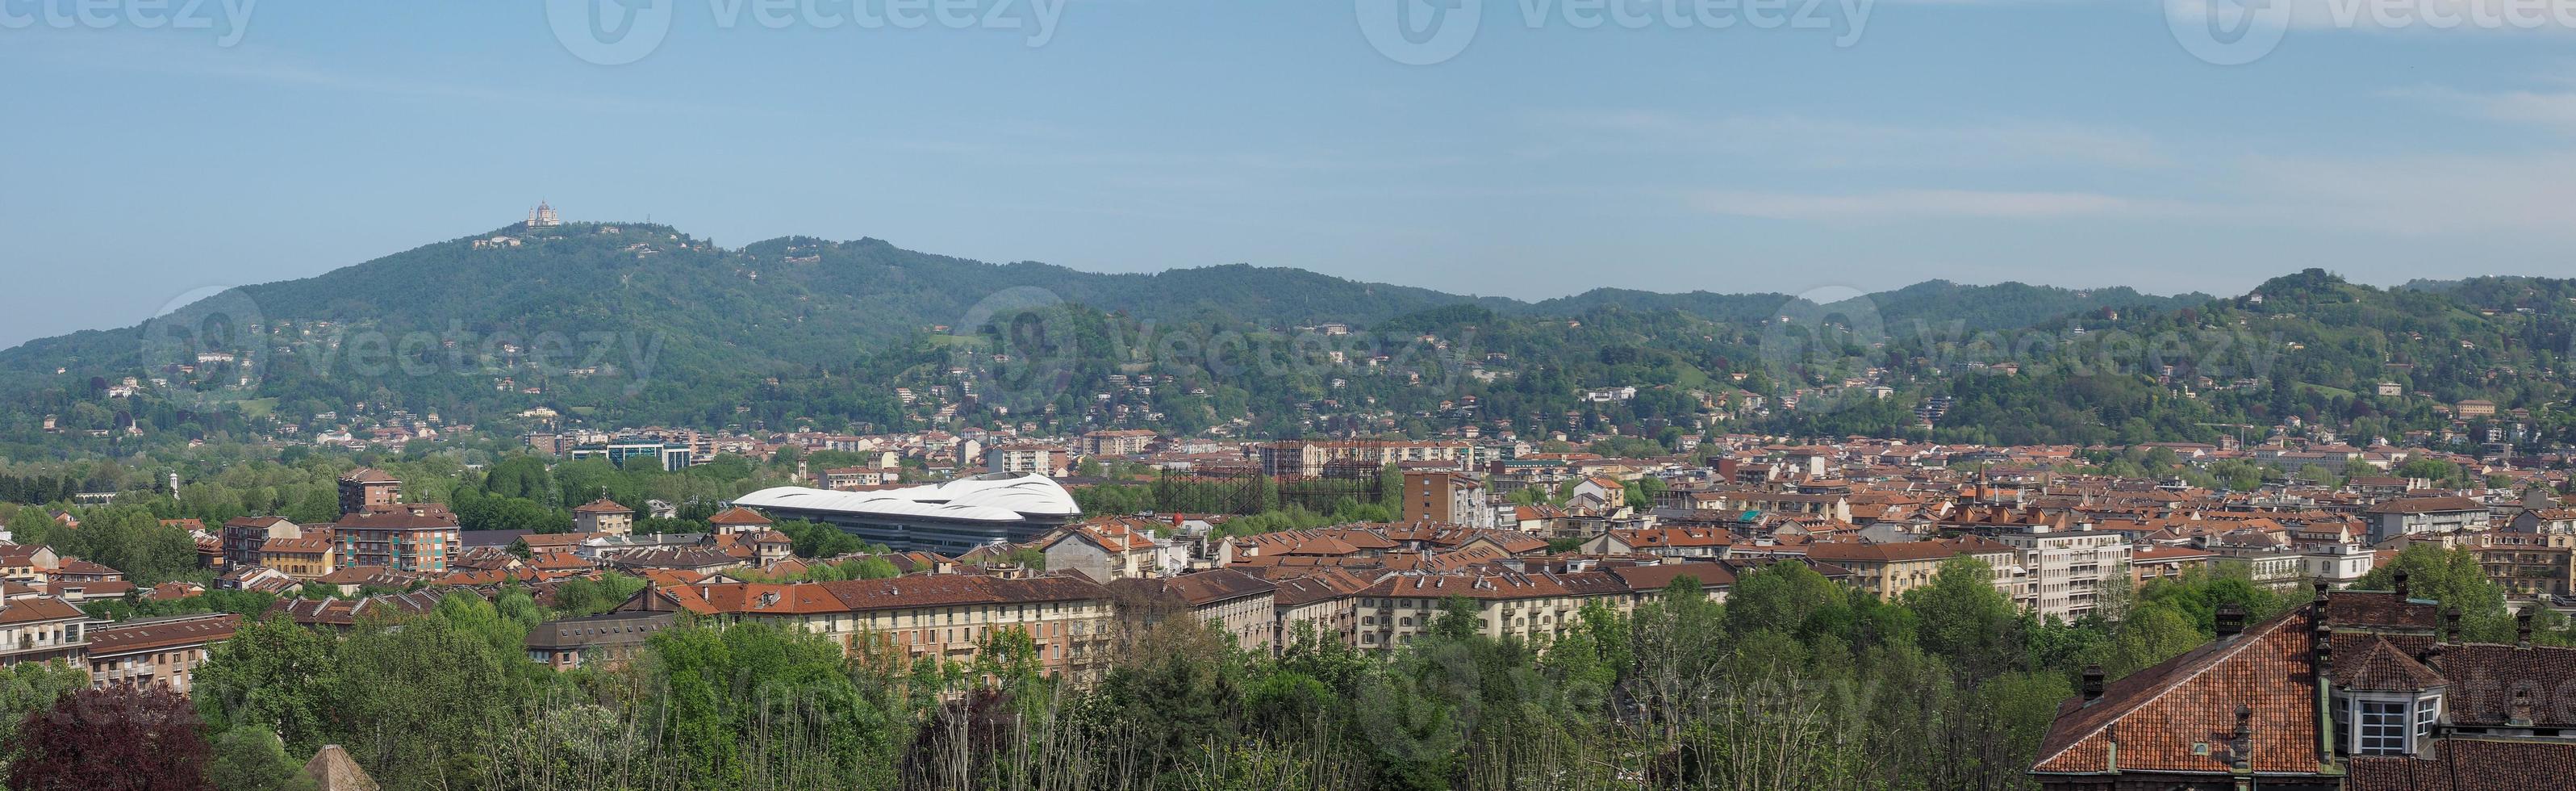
(111, 740)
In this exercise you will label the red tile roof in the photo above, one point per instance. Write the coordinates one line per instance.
(2155, 715)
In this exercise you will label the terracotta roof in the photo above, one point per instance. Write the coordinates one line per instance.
(1314, 586)
(1203, 588)
(1660, 576)
(396, 520)
(946, 589)
(31, 610)
(2155, 715)
(160, 633)
(682, 557)
(603, 506)
(2347, 609)
(90, 590)
(2485, 677)
(2470, 765)
(2383, 668)
(738, 515)
(2426, 505)
(368, 475)
(310, 543)
(1897, 552)
(333, 770)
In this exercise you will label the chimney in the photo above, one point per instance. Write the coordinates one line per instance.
(2451, 625)
(2092, 682)
(2520, 716)
(2244, 743)
(2321, 590)
(2231, 621)
(2402, 592)
(2522, 630)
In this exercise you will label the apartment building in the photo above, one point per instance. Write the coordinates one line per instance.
(1117, 442)
(1314, 458)
(1447, 498)
(1887, 570)
(243, 537)
(605, 641)
(1323, 600)
(1026, 458)
(311, 555)
(1112, 549)
(2414, 516)
(406, 538)
(28, 564)
(366, 490)
(947, 617)
(162, 652)
(41, 629)
(848, 479)
(1397, 609)
(604, 517)
(1240, 604)
(2069, 568)
(2528, 564)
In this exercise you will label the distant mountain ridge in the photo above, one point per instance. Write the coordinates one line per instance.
(639, 322)
(578, 278)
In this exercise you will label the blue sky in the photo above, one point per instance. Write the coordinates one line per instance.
(2050, 141)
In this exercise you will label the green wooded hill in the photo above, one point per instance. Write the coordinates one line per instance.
(626, 324)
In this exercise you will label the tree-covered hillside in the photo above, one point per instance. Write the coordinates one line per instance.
(633, 324)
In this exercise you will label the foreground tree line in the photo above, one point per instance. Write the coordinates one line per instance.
(1795, 681)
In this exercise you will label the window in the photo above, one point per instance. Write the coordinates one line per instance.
(2427, 710)
(2379, 727)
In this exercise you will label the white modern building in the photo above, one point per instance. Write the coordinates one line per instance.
(948, 518)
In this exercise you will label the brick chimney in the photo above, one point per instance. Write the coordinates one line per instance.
(2231, 621)
(2092, 682)
(2402, 591)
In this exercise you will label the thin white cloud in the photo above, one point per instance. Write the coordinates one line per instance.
(2415, 196)
(1925, 204)
(1803, 141)
(2556, 110)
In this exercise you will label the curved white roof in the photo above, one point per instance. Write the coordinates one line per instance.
(981, 498)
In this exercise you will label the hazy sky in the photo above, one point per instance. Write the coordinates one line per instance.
(2053, 141)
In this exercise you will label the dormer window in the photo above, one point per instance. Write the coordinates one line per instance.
(2380, 727)
(2390, 723)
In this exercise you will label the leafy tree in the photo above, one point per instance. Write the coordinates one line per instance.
(251, 758)
(1964, 618)
(2152, 634)
(32, 687)
(118, 738)
(2453, 578)
(275, 675)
